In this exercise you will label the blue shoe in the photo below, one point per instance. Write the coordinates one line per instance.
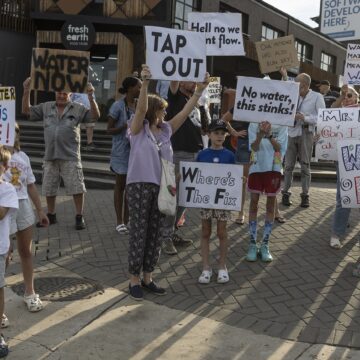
(252, 252)
(136, 292)
(265, 253)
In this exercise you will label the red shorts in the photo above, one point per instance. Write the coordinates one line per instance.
(267, 183)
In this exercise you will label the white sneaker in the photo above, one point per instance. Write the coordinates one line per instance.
(4, 322)
(33, 302)
(223, 276)
(205, 277)
(335, 242)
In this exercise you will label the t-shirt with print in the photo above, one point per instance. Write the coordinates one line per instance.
(266, 159)
(19, 174)
(8, 199)
(188, 136)
(217, 156)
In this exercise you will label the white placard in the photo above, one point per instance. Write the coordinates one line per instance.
(260, 100)
(107, 84)
(349, 172)
(333, 125)
(340, 19)
(210, 186)
(214, 90)
(175, 54)
(7, 116)
(352, 65)
(223, 32)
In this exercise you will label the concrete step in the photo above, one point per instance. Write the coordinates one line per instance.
(39, 147)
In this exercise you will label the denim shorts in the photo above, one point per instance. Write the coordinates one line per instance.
(242, 154)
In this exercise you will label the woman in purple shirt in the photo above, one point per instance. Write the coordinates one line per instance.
(148, 132)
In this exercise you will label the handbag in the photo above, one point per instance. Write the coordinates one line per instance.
(167, 192)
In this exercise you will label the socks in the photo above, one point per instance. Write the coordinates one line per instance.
(253, 231)
(267, 231)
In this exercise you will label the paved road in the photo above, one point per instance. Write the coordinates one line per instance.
(307, 293)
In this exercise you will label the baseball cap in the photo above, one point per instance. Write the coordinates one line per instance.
(217, 125)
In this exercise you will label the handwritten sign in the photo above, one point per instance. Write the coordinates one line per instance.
(210, 186)
(175, 54)
(223, 32)
(273, 54)
(7, 116)
(352, 65)
(349, 172)
(59, 70)
(334, 125)
(214, 90)
(260, 100)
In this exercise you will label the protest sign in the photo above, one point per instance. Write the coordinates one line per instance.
(214, 90)
(352, 65)
(340, 19)
(333, 125)
(273, 54)
(210, 186)
(175, 54)
(222, 30)
(260, 100)
(59, 70)
(7, 116)
(349, 172)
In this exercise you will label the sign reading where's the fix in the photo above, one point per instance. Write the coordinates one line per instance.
(352, 65)
(59, 70)
(260, 100)
(349, 172)
(210, 186)
(175, 54)
(7, 116)
(223, 32)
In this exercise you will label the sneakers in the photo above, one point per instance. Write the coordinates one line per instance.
(79, 222)
(335, 242)
(286, 199)
(33, 303)
(4, 349)
(265, 253)
(4, 322)
(252, 253)
(169, 248)
(205, 277)
(304, 201)
(153, 288)
(179, 241)
(52, 220)
(223, 276)
(136, 292)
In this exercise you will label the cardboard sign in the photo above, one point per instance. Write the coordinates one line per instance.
(7, 116)
(260, 100)
(210, 186)
(59, 70)
(214, 90)
(175, 54)
(273, 54)
(223, 32)
(334, 125)
(352, 65)
(349, 172)
(340, 19)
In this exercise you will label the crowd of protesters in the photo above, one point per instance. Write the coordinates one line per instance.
(144, 126)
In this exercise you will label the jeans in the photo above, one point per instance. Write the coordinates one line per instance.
(341, 215)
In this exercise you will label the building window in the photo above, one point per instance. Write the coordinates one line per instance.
(244, 17)
(304, 51)
(182, 8)
(328, 62)
(269, 33)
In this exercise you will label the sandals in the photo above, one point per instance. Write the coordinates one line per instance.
(335, 242)
(240, 220)
(4, 322)
(33, 303)
(280, 219)
(205, 277)
(223, 276)
(122, 229)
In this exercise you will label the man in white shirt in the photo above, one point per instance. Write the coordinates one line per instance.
(301, 138)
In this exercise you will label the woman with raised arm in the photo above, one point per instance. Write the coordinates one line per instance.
(149, 135)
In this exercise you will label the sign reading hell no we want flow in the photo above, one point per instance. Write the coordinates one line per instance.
(60, 70)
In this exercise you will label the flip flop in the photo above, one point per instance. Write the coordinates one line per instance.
(280, 219)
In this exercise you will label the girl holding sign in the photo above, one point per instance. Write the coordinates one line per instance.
(149, 137)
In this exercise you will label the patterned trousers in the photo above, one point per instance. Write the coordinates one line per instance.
(145, 230)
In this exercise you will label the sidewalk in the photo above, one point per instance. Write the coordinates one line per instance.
(305, 298)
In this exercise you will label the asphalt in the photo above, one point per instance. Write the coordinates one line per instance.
(304, 305)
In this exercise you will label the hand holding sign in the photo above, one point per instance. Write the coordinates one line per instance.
(145, 73)
(201, 86)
